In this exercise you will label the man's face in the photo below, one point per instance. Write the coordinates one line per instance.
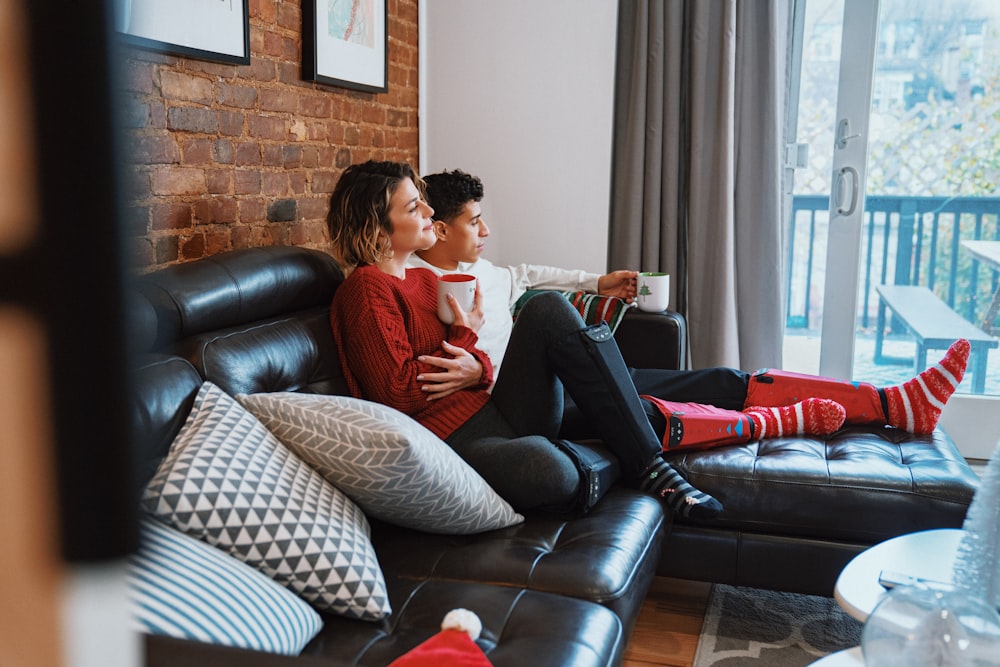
(464, 236)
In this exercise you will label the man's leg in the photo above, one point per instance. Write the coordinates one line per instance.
(696, 426)
(721, 387)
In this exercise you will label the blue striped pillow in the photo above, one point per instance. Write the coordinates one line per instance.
(185, 588)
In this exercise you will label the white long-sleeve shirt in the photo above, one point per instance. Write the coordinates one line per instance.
(502, 286)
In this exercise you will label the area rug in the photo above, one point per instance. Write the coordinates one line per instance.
(748, 626)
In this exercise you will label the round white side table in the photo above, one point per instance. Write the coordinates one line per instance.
(928, 554)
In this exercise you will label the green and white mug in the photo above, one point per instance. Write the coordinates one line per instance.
(653, 291)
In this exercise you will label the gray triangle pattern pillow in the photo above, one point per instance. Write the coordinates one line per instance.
(389, 464)
(229, 482)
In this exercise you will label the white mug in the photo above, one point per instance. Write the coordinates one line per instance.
(463, 287)
(653, 291)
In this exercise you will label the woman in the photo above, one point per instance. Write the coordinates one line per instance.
(396, 351)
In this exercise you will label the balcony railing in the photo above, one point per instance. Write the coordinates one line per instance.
(907, 241)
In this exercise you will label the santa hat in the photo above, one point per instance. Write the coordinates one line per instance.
(454, 646)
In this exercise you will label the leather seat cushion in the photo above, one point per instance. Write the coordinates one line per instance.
(608, 556)
(519, 627)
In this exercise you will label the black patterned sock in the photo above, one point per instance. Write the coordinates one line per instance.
(661, 479)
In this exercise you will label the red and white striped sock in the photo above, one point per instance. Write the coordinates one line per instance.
(916, 404)
(813, 416)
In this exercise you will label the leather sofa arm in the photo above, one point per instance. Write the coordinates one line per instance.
(653, 340)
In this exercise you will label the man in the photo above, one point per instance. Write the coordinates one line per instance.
(461, 238)
(685, 401)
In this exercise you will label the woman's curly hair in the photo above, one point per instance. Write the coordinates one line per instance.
(449, 191)
(358, 220)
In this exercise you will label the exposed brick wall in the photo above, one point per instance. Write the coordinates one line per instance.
(225, 156)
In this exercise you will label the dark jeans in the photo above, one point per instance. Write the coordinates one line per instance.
(528, 471)
(509, 441)
(721, 387)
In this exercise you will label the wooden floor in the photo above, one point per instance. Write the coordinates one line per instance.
(666, 632)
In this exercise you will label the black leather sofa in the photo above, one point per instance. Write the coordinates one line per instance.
(550, 591)
(553, 590)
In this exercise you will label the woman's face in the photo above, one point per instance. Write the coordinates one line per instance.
(410, 217)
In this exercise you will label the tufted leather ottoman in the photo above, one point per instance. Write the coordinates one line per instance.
(797, 509)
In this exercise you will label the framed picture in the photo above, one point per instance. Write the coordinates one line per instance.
(217, 30)
(345, 43)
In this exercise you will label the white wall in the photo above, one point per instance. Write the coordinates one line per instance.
(520, 93)
(973, 422)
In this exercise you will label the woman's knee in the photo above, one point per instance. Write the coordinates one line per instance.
(528, 472)
(551, 313)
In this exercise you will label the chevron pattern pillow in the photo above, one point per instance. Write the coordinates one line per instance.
(390, 465)
(228, 482)
(184, 588)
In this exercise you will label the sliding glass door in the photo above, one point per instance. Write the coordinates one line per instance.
(895, 144)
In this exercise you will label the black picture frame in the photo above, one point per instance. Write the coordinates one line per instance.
(215, 31)
(358, 60)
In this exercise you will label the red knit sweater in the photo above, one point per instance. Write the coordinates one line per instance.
(382, 324)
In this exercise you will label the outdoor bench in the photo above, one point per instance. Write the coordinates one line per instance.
(933, 325)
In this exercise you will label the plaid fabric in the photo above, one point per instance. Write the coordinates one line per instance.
(594, 308)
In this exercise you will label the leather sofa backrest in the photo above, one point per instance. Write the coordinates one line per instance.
(250, 321)
(235, 288)
(296, 352)
(163, 388)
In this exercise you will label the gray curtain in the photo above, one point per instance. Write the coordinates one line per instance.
(697, 166)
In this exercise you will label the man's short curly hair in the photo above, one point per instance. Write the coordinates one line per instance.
(449, 191)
